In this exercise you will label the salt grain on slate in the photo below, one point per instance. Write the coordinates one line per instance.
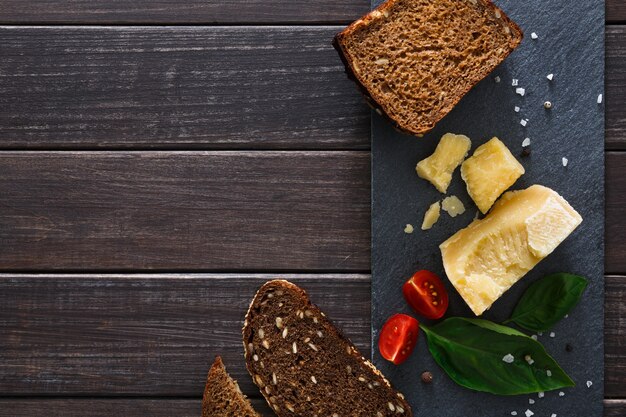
(514, 82)
(513, 413)
(520, 91)
(497, 79)
(561, 394)
(550, 76)
(534, 35)
(529, 413)
(564, 161)
(526, 142)
(508, 358)
(553, 415)
(540, 394)
(531, 401)
(589, 383)
(523, 122)
(599, 98)
(517, 109)
(549, 372)
(534, 337)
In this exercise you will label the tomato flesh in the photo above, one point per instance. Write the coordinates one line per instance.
(398, 338)
(426, 294)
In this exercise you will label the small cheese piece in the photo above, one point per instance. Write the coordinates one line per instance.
(453, 206)
(489, 172)
(486, 258)
(431, 216)
(438, 168)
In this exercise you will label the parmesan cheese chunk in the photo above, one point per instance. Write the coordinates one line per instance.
(486, 258)
(489, 172)
(438, 167)
(431, 216)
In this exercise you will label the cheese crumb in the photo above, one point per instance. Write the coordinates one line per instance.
(534, 35)
(589, 383)
(508, 358)
(564, 161)
(529, 413)
(514, 82)
(453, 206)
(520, 91)
(550, 76)
(523, 122)
(561, 394)
(599, 98)
(431, 216)
(517, 109)
(408, 229)
(497, 78)
(526, 142)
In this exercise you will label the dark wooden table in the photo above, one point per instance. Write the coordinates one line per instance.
(159, 160)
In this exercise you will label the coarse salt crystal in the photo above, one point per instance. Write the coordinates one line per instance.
(564, 161)
(513, 413)
(528, 413)
(589, 383)
(553, 415)
(508, 358)
(561, 394)
(523, 122)
(552, 334)
(550, 76)
(566, 316)
(534, 337)
(526, 142)
(520, 91)
(514, 82)
(549, 372)
(534, 35)
(517, 109)
(540, 394)
(531, 401)
(599, 98)
(497, 78)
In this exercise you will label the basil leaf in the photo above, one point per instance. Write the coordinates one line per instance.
(471, 352)
(547, 301)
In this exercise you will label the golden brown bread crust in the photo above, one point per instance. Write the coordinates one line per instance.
(376, 103)
(293, 390)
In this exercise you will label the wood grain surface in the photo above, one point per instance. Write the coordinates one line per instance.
(156, 335)
(144, 335)
(177, 87)
(256, 211)
(198, 11)
(176, 211)
(200, 87)
(156, 407)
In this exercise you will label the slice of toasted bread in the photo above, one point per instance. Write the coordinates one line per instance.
(304, 366)
(415, 59)
(222, 396)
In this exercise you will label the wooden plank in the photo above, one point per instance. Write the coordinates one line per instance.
(187, 11)
(177, 87)
(255, 211)
(197, 11)
(615, 86)
(615, 337)
(615, 227)
(157, 334)
(155, 407)
(144, 335)
(615, 11)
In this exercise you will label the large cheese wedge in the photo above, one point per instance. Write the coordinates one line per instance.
(490, 255)
(438, 167)
(489, 172)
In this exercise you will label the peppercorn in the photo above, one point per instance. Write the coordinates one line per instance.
(427, 377)
(526, 151)
(568, 347)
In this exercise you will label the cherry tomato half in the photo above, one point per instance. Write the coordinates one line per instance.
(398, 337)
(426, 294)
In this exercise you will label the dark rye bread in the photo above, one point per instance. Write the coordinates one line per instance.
(415, 59)
(222, 396)
(304, 366)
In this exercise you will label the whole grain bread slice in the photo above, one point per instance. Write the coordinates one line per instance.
(222, 396)
(304, 366)
(415, 59)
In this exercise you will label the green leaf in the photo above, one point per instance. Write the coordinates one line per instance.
(547, 301)
(471, 352)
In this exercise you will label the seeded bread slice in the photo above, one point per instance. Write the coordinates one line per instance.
(415, 59)
(304, 366)
(222, 396)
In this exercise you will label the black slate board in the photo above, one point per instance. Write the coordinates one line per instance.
(571, 46)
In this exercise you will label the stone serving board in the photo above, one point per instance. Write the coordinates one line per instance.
(571, 46)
